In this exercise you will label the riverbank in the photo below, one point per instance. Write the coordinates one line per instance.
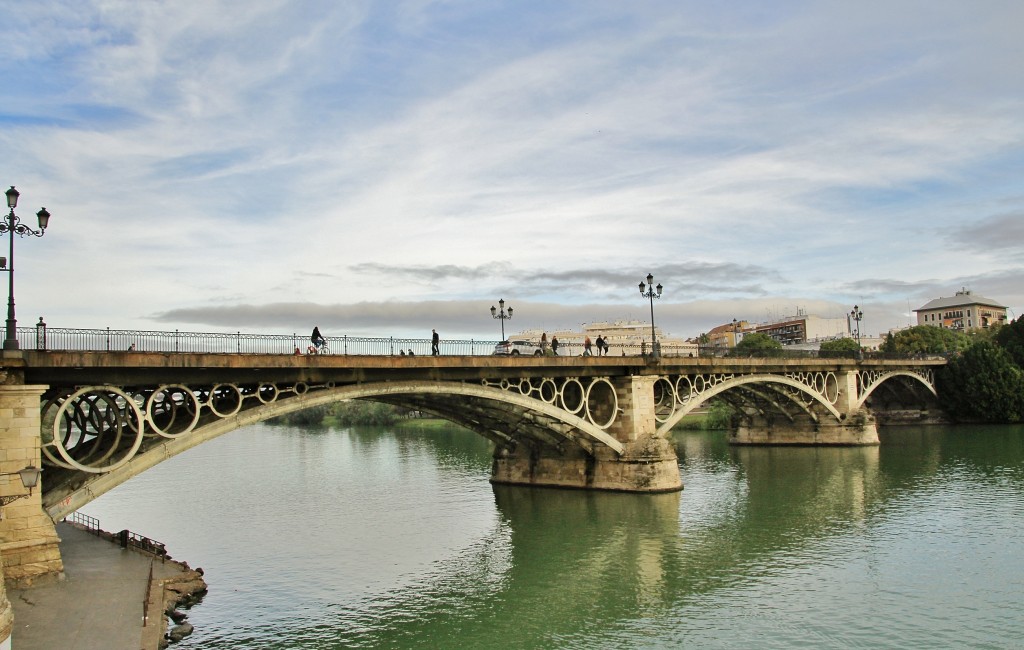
(110, 597)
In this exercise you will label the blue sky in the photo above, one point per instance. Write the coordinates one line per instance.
(383, 168)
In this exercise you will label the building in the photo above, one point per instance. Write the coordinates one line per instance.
(962, 312)
(802, 328)
(727, 335)
(623, 338)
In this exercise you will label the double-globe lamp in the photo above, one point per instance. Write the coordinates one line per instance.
(501, 315)
(12, 224)
(650, 294)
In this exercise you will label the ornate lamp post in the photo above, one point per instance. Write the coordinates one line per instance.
(734, 329)
(856, 314)
(501, 315)
(651, 295)
(12, 224)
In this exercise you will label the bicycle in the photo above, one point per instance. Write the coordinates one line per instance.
(319, 347)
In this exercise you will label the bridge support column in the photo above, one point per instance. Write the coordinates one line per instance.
(29, 549)
(648, 462)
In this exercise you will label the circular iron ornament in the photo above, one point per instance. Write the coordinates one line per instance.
(572, 396)
(684, 389)
(664, 399)
(301, 388)
(548, 390)
(700, 384)
(601, 401)
(172, 410)
(267, 393)
(225, 400)
(87, 428)
(831, 388)
(524, 386)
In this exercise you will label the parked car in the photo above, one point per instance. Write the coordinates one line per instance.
(515, 348)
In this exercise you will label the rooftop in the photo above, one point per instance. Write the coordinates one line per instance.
(961, 299)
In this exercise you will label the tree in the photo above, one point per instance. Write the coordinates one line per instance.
(982, 384)
(925, 339)
(758, 344)
(836, 348)
(1011, 338)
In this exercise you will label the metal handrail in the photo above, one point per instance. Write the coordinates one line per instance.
(109, 340)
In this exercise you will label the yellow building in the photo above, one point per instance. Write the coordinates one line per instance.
(962, 312)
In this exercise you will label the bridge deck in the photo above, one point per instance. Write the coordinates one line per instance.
(80, 368)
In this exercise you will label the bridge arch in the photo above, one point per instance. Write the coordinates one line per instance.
(542, 423)
(690, 402)
(869, 381)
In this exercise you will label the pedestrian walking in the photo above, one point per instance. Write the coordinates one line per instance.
(600, 345)
(554, 345)
(435, 341)
(586, 346)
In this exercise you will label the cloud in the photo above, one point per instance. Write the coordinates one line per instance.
(997, 234)
(199, 159)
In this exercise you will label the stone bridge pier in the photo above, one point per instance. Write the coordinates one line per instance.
(29, 550)
(647, 461)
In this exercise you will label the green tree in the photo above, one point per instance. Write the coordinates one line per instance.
(720, 415)
(982, 384)
(836, 348)
(357, 412)
(758, 344)
(925, 339)
(1011, 338)
(313, 415)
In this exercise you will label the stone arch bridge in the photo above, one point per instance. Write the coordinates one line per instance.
(95, 419)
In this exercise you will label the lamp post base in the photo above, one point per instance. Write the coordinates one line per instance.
(11, 333)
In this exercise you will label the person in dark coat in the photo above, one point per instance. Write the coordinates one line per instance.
(435, 340)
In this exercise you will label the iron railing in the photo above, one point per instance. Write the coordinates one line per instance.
(108, 340)
(125, 537)
(42, 337)
(91, 524)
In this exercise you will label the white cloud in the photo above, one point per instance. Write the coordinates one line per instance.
(257, 153)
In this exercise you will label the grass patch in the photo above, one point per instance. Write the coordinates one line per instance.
(692, 422)
(423, 424)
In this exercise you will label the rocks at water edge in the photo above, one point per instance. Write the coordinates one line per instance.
(187, 589)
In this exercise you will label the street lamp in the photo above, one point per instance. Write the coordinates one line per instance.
(12, 224)
(856, 314)
(651, 295)
(29, 478)
(501, 315)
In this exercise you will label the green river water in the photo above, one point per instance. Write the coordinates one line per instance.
(371, 538)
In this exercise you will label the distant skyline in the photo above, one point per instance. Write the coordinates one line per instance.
(384, 168)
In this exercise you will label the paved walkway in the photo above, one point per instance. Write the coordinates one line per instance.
(99, 604)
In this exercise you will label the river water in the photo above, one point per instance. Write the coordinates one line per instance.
(371, 538)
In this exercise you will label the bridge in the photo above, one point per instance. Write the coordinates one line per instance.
(95, 419)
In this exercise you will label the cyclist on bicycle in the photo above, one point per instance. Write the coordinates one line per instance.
(319, 341)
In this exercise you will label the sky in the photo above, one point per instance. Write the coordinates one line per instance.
(384, 168)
